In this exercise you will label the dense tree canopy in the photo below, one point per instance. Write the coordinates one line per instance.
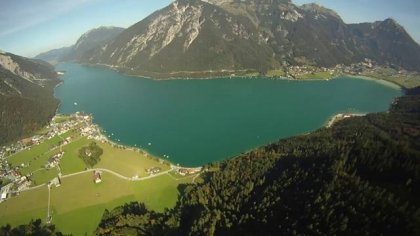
(31, 104)
(91, 154)
(33, 228)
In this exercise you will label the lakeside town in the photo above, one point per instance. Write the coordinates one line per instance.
(14, 181)
(366, 68)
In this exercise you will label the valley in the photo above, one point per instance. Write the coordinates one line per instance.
(209, 117)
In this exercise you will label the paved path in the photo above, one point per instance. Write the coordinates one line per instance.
(49, 203)
(195, 177)
(31, 188)
(119, 175)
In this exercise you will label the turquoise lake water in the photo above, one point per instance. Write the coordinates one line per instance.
(195, 122)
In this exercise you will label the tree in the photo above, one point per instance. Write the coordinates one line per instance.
(91, 154)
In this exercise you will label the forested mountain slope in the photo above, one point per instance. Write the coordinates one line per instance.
(27, 102)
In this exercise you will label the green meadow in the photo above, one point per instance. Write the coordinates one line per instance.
(78, 204)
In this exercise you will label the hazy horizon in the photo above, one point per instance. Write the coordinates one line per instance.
(31, 27)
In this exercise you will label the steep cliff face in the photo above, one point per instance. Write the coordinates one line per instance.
(26, 95)
(229, 35)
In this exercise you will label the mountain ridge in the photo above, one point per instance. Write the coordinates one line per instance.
(256, 35)
(89, 40)
(26, 95)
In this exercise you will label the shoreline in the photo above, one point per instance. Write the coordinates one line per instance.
(379, 81)
(104, 138)
(224, 74)
(341, 116)
(332, 119)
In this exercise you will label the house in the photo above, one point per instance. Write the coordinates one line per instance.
(153, 170)
(56, 181)
(183, 172)
(5, 191)
(97, 178)
(188, 171)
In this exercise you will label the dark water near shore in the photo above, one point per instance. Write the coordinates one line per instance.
(199, 121)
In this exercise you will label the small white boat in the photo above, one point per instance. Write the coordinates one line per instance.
(75, 103)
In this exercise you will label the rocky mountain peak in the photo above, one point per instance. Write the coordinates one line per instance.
(391, 24)
(9, 63)
(258, 35)
(97, 35)
(319, 10)
(88, 41)
(220, 2)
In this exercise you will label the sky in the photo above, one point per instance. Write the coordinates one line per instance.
(29, 27)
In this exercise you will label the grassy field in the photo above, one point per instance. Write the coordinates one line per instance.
(37, 156)
(317, 75)
(124, 161)
(276, 73)
(44, 176)
(77, 205)
(127, 162)
(35, 151)
(411, 80)
(61, 118)
(22, 208)
(71, 163)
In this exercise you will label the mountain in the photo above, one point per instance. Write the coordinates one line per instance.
(359, 177)
(93, 38)
(27, 102)
(251, 35)
(54, 56)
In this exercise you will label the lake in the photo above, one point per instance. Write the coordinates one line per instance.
(198, 121)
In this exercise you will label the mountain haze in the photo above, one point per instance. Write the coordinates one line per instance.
(88, 41)
(256, 35)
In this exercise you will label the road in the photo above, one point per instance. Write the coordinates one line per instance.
(121, 176)
(108, 171)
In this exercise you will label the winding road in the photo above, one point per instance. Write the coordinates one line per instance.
(119, 175)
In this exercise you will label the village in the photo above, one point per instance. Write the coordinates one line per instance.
(12, 179)
(64, 130)
(367, 67)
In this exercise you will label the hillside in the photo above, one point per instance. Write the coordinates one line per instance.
(228, 36)
(359, 177)
(97, 37)
(26, 96)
